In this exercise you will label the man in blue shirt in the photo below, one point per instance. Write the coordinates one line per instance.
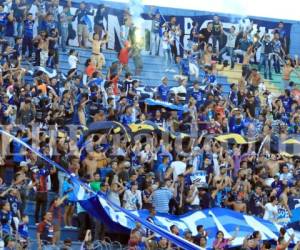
(196, 93)
(162, 168)
(161, 198)
(126, 119)
(237, 123)
(287, 101)
(83, 22)
(48, 24)
(155, 33)
(233, 98)
(243, 45)
(28, 35)
(3, 20)
(163, 89)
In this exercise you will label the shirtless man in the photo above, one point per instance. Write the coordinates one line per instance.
(94, 161)
(208, 53)
(255, 79)
(97, 57)
(246, 63)
(287, 71)
(42, 41)
(222, 178)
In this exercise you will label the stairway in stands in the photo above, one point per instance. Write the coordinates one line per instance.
(151, 75)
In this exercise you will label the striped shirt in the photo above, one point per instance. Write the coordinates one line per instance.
(161, 198)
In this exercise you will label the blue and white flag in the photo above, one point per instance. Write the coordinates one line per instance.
(212, 220)
(167, 105)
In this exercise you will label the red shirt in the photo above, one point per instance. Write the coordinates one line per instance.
(115, 86)
(124, 56)
(90, 70)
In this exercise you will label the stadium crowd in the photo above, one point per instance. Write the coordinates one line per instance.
(50, 112)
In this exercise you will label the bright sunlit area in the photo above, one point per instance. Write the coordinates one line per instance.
(287, 9)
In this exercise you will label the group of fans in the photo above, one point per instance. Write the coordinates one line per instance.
(51, 111)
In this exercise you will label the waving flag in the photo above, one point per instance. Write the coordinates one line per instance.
(212, 219)
(120, 219)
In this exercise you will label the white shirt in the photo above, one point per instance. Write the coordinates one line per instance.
(114, 197)
(72, 60)
(179, 90)
(132, 199)
(165, 43)
(33, 10)
(196, 200)
(216, 164)
(178, 167)
(270, 212)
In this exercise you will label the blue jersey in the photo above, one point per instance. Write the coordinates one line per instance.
(184, 66)
(3, 18)
(233, 98)
(23, 230)
(163, 92)
(287, 103)
(28, 28)
(126, 119)
(198, 95)
(5, 220)
(14, 204)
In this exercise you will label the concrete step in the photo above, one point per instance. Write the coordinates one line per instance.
(76, 245)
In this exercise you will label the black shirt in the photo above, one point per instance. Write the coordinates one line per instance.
(206, 33)
(192, 36)
(216, 30)
(268, 47)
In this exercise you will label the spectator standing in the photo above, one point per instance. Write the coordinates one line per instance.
(230, 45)
(271, 210)
(132, 199)
(97, 57)
(83, 21)
(28, 36)
(41, 178)
(155, 32)
(216, 34)
(64, 27)
(45, 233)
(19, 7)
(161, 198)
(98, 21)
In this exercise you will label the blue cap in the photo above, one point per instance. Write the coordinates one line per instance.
(157, 11)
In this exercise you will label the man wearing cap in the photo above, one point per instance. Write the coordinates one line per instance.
(10, 243)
